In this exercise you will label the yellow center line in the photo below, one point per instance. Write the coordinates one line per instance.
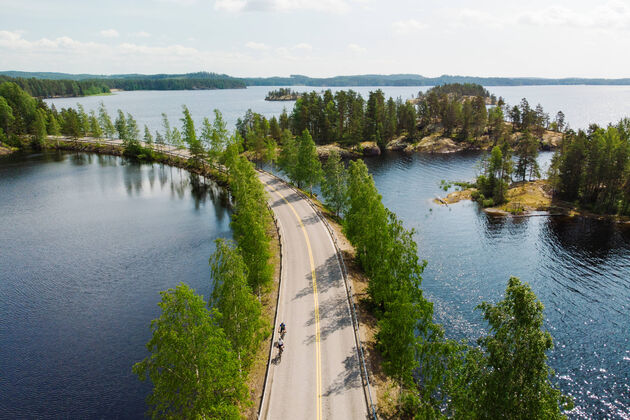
(318, 361)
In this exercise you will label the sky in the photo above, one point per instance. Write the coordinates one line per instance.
(318, 38)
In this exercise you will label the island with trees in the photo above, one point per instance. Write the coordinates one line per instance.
(283, 94)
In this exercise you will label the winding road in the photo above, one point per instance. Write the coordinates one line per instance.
(318, 375)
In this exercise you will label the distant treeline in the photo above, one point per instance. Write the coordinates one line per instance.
(44, 88)
(356, 80)
(417, 80)
(49, 88)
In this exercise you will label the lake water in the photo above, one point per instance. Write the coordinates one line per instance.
(579, 268)
(582, 105)
(87, 244)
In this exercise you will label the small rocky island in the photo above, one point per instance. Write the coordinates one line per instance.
(283, 94)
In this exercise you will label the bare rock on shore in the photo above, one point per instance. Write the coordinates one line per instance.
(437, 144)
(324, 151)
(5, 150)
(369, 148)
(551, 139)
(399, 144)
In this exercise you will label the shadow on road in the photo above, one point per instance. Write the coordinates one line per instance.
(348, 378)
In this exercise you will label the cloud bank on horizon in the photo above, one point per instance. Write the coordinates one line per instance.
(318, 38)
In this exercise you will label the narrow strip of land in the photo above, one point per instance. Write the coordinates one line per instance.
(318, 376)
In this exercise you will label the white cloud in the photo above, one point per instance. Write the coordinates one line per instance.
(357, 49)
(403, 27)
(258, 46)
(612, 15)
(141, 34)
(332, 6)
(303, 47)
(477, 18)
(110, 33)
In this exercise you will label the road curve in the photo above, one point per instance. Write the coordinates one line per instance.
(318, 376)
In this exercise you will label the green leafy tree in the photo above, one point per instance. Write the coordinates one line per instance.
(271, 151)
(527, 154)
(288, 155)
(516, 382)
(121, 126)
(95, 128)
(190, 135)
(335, 183)
(177, 139)
(168, 133)
(148, 138)
(251, 218)
(84, 120)
(220, 135)
(106, 123)
(53, 125)
(133, 132)
(192, 366)
(309, 168)
(241, 312)
(6, 115)
(39, 129)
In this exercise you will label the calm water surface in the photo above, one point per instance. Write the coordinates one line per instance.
(582, 105)
(579, 269)
(87, 243)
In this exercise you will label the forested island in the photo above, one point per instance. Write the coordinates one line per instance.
(282, 94)
(445, 119)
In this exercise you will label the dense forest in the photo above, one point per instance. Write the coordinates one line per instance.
(592, 168)
(44, 88)
(461, 112)
(48, 88)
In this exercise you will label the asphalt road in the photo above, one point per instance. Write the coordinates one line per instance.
(318, 375)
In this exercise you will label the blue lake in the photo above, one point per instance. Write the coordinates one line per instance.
(87, 244)
(89, 241)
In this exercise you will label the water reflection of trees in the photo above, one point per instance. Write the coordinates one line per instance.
(499, 227)
(588, 238)
(132, 177)
(203, 189)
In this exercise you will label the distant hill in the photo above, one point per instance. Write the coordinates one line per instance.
(418, 80)
(205, 80)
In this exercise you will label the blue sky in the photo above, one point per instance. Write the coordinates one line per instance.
(318, 37)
